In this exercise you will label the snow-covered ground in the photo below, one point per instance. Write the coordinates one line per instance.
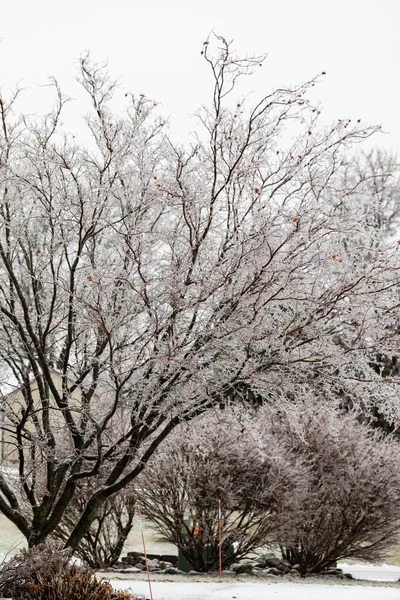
(274, 590)
(256, 591)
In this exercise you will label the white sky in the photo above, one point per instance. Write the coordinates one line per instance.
(154, 46)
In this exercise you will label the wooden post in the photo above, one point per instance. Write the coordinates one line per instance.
(220, 537)
(144, 550)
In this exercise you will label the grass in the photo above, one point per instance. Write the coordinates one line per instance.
(393, 556)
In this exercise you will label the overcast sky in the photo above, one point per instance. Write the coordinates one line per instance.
(154, 46)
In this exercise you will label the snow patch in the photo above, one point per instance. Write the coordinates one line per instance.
(255, 591)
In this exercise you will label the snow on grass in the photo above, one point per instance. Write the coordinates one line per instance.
(167, 590)
(381, 572)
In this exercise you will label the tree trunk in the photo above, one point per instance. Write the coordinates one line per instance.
(85, 521)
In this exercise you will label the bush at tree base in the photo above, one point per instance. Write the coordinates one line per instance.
(46, 572)
(218, 458)
(319, 486)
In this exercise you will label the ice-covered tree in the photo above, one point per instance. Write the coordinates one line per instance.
(142, 282)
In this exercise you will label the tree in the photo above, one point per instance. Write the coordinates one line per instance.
(380, 170)
(349, 507)
(154, 281)
(217, 458)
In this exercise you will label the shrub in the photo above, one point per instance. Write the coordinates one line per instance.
(74, 584)
(102, 544)
(46, 572)
(217, 458)
(39, 563)
(350, 505)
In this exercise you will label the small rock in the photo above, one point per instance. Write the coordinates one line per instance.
(242, 569)
(173, 571)
(246, 561)
(153, 564)
(193, 573)
(272, 561)
(267, 555)
(294, 572)
(283, 567)
(228, 572)
(131, 570)
(348, 575)
(140, 566)
(273, 571)
(141, 560)
(333, 572)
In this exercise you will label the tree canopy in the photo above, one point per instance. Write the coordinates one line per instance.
(158, 280)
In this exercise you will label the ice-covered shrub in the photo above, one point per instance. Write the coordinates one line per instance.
(47, 572)
(217, 458)
(102, 544)
(350, 503)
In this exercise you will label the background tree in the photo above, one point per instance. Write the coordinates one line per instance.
(380, 172)
(142, 282)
